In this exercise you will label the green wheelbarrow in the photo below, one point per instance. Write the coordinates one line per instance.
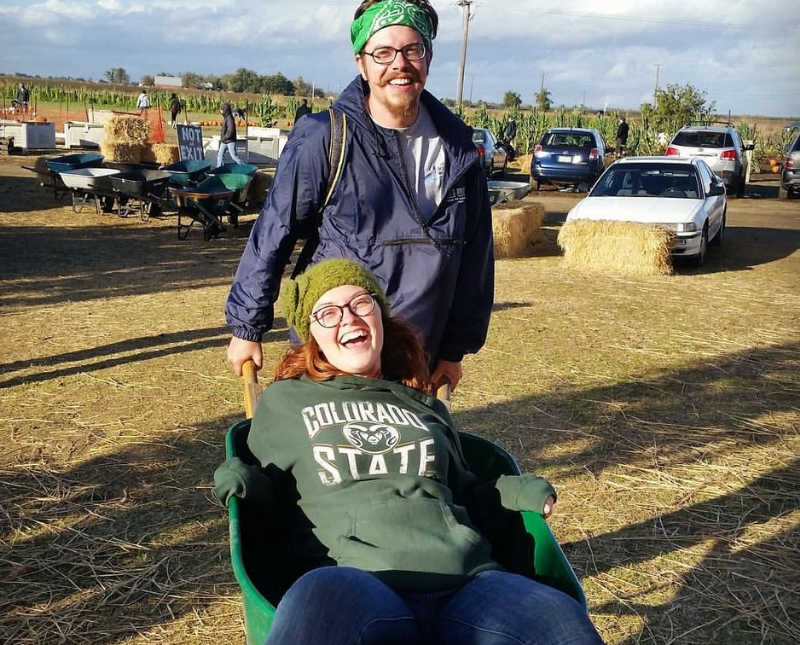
(264, 573)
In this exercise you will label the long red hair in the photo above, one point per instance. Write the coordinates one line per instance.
(403, 358)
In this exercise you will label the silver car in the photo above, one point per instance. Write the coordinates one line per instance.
(494, 157)
(720, 146)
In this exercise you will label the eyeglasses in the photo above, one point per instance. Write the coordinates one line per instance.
(386, 55)
(331, 315)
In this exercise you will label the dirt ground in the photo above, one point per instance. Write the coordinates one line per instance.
(665, 410)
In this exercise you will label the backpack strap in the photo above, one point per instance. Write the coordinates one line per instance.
(336, 156)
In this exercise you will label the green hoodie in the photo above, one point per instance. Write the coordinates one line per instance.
(381, 481)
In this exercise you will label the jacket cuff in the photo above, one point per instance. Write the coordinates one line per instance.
(234, 478)
(246, 334)
(452, 355)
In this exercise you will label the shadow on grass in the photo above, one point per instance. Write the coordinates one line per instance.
(745, 585)
(23, 194)
(144, 348)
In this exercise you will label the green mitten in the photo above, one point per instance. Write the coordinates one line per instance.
(234, 477)
(524, 492)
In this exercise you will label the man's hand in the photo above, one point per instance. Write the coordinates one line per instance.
(239, 350)
(447, 371)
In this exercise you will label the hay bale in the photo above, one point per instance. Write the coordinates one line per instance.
(126, 129)
(627, 248)
(131, 152)
(165, 153)
(262, 180)
(515, 226)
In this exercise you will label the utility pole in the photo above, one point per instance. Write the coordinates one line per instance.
(471, 84)
(655, 91)
(466, 4)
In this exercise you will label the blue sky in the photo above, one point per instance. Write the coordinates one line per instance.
(744, 54)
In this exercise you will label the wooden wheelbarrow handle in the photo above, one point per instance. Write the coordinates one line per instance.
(252, 390)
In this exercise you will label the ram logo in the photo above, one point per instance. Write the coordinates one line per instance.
(373, 439)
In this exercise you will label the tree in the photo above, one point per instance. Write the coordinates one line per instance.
(242, 80)
(117, 75)
(301, 88)
(147, 80)
(677, 105)
(277, 84)
(511, 100)
(190, 79)
(543, 99)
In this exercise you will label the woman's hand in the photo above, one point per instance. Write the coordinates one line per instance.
(446, 371)
(549, 503)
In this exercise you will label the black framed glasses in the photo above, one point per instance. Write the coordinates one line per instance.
(386, 55)
(331, 315)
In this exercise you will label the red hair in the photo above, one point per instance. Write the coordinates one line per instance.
(403, 358)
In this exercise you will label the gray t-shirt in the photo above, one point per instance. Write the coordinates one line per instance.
(425, 160)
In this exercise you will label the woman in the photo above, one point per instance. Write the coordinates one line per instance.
(384, 492)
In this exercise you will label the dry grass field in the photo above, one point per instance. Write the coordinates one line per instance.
(666, 410)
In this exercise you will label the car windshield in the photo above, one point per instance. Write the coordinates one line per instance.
(478, 136)
(648, 180)
(700, 139)
(569, 139)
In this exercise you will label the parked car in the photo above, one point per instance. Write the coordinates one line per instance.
(680, 194)
(790, 174)
(568, 156)
(494, 157)
(791, 127)
(720, 146)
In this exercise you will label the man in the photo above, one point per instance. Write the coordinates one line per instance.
(227, 136)
(411, 202)
(143, 102)
(302, 110)
(174, 108)
(23, 96)
(622, 136)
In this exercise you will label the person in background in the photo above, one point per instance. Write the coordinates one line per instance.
(174, 108)
(392, 530)
(227, 136)
(302, 110)
(143, 102)
(411, 201)
(23, 96)
(508, 137)
(622, 136)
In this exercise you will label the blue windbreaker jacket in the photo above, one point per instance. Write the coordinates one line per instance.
(438, 272)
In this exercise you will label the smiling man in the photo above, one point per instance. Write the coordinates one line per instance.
(410, 203)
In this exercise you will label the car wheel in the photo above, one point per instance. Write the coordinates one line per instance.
(700, 258)
(783, 193)
(504, 169)
(719, 238)
(538, 185)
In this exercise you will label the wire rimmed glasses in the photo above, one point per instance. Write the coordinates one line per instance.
(386, 55)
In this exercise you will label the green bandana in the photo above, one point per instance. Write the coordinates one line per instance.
(386, 14)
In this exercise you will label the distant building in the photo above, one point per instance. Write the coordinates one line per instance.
(169, 82)
(205, 86)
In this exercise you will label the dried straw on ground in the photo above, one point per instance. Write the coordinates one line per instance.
(132, 152)
(126, 129)
(262, 180)
(628, 248)
(515, 226)
(165, 153)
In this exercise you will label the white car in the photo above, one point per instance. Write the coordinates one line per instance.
(680, 194)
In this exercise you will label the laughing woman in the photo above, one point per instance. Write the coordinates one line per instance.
(391, 526)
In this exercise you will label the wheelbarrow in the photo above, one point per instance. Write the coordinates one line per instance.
(90, 185)
(141, 190)
(187, 173)
(258, 547)
(205, 204)
(48, 172)
(234, 168)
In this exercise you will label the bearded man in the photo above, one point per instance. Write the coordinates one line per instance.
(410, 202)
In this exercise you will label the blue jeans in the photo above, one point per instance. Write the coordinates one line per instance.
(347, 606)
(231, 148)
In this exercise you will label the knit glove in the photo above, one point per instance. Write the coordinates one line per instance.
(524, 492)
(234, 477)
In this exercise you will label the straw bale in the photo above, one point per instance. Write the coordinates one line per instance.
(627, 248)
(262, 180)
(126, 129)
(165, 153)
(122, 151)
(515, 226)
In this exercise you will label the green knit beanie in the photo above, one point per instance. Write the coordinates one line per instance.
(301, 294)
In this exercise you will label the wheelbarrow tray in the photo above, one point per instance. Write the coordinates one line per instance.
(234, 168)
(184, 172)
(240, 183)
(258, 555)
(73, 162)
(88, 179)
(140, 183)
